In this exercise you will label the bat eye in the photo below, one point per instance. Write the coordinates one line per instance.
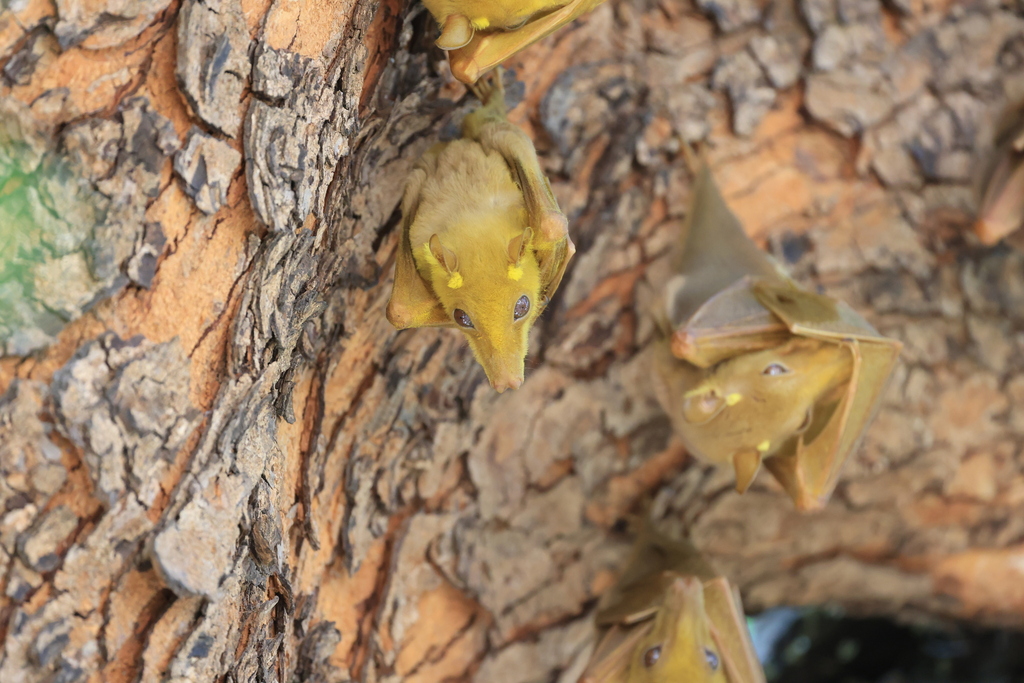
(711, 658)
(462, 319)
(519, 24)
(652, 656)
(775, 369)
(522, 307)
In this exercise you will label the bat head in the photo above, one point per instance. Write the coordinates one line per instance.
(750, 406)
(679, 645)
(492, 293)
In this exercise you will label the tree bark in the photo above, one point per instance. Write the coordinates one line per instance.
(221, 463)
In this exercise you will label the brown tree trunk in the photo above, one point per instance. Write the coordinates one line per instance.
(221, 463)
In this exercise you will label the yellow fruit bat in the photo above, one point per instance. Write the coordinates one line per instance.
(755, 368)
(483, 245)
(671, 618)
(1001, 212)
(480, 34)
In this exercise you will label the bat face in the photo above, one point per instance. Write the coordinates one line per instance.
(670, 617)
(495, 305)
(751, 405)
(679, 645)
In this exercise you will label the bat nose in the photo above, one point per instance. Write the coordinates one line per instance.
(702, 406)
(507, 382)
(686, 585)
(685, 595)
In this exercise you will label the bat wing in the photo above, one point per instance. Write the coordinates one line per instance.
(654, 562)
(610, 661)
(716, 252)
(1002, 203)
(551, 241)
(809, 470)
(814, 315)
(1000, 182)
(729, 631)
(412, 302)
(730, 323)
(489, 49)
(712, 306)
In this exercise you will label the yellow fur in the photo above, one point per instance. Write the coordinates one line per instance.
(427, 255)
(475, 208)
(468, 257)
(485, 14)
(682, 631)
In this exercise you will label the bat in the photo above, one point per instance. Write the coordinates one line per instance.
(671, 617)
(1001, 211)
(483, 244)
(480, 34)
(757, 369)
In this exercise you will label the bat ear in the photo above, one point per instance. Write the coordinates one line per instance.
(445, 256)
(413, 303)
(747, 463)
(447, 260)
(456, 32)
(553, 261)
(518, 246)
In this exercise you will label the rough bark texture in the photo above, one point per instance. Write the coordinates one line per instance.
(231, 467)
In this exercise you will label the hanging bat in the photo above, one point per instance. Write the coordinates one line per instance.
(480, 34)
(483, 244)
(1001, 212)
(671, 618)
(756, 369)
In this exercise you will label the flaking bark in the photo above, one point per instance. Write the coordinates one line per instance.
(228, 466)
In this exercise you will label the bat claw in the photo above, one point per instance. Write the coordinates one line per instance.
(456, 32)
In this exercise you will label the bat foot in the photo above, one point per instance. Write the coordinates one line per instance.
(489, 89)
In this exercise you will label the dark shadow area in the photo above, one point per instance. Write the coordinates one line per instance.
(821, 646)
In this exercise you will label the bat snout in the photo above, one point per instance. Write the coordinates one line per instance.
(685, 598)
(702, 406)
(502, 359)
(809, 502)
(687, 585)
(507, 381)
